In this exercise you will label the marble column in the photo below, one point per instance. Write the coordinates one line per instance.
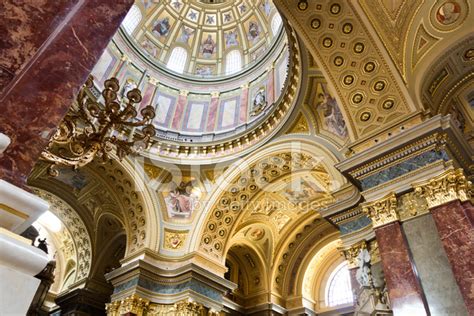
(48, 50)
(448, 197)
(455, 228)
(404, 288)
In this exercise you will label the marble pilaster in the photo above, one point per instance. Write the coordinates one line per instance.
(405, 292)
(179, 112)
(455, 227)
(52, 48)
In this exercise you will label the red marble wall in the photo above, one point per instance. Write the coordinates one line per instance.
(404, 289)
(454, 222)
(25, 26)
(48, 48)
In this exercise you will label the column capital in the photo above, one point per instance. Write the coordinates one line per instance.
(351, 253)
(131, 304)
(382, 211)
(449, 186)
(153, 81)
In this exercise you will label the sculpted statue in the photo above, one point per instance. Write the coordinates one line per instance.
(363, 272)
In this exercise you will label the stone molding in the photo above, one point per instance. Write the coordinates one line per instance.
(19, 208)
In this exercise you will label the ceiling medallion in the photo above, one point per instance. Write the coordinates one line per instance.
(303, 5)
(365, 116)
(388, 104)
(92, 129)
(335, 8)
(338, 61)
(315, 23)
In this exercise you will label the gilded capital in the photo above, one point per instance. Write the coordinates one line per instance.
(449, 186)
(383, 211)
(351, 254)
(131, 304)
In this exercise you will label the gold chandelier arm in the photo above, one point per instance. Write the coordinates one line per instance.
(75, 162)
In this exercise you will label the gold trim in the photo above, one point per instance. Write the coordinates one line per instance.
(13, 211)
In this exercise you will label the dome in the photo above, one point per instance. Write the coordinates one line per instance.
(216, 72)
(204, 38)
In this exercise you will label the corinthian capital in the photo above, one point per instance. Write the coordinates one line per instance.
(382, 211)
(449, 186)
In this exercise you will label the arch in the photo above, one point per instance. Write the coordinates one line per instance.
(286, 151)
(177, 59)
(233, 62)
(74, 240)
(132, 19)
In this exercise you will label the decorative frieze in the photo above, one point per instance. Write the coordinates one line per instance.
(449, 186)
(383, 211)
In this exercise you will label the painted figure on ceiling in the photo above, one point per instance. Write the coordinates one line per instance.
(259, 102)
(181, 201)
(332, 115)
(203, 70)
(266, 7)
(254, 31)
(231, 38)
(448, 13)
(162, 27)
(186, 33)
(208, 47)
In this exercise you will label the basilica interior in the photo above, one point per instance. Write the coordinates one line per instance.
(237, 157)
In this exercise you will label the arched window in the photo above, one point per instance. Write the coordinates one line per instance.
(338, 287)
(132, 19)
(233, 62)
(177, 60)
(276, 24)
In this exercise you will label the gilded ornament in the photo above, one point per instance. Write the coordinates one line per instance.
(132, 304)
(338, 61)
(351, 254)
(357, 98)
(365, 116)
(388, 104)
(303, 5)
(335, 8)
(347, 28)
(327, 42)
(175, 240)
(369, 67)
(348, 80)
(315, 23)
(449, 186)
(359, 47)
(383, 211)
(379, 86)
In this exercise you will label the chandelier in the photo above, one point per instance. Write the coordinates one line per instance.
(93, 130)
